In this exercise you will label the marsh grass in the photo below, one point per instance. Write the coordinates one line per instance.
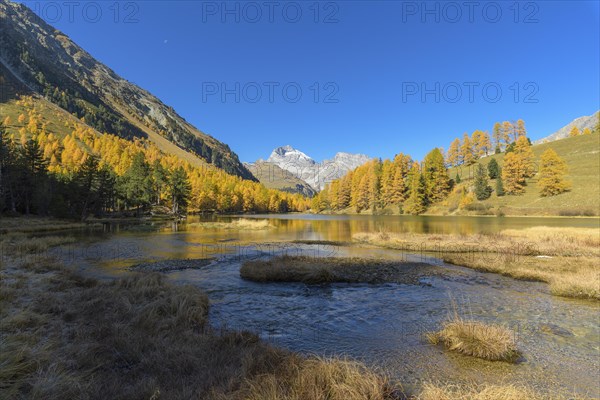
(566, 258)
(139, 337)
(575, 277)
(477, 339)
(19, 244)
(477, 392)
(238, 224)
(38, 225)
(320, 270)
(320, 379)
(531, 241)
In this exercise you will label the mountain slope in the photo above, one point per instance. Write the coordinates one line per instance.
(317, 175)
(587, 121)
(47, 62)
(274, 177)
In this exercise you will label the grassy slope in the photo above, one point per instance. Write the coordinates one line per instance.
(582, 154)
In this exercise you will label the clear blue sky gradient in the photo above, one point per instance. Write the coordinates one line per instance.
(371, 52)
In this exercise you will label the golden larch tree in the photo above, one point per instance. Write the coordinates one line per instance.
(513, 174)
(466, 150)
(552, 174)
(574, 131)
(521, 131)
(453, 157)
(507, 132)
(525, 153)
(481, 143)
(497, 135)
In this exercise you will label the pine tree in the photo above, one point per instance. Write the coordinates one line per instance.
(499, 185)
(160, 180)
(435, 174)
(457, 178)
(454, 156)
(179, 190)
(416, 202)
(574, 131)
(34, 185)
(482, 188)
(587, 131)
(106, 189)
(493, 169)
(137, 183)
(86, 181)
(552, 174)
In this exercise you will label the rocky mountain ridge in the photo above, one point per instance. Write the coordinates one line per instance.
(315, 174)
(49, 63)
(586, 121)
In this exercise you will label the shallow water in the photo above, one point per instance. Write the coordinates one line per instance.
(379, 324)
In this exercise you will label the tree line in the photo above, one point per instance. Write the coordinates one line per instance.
(79, 172)
(411, 187)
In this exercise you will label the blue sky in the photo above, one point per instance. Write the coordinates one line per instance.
(377, 77)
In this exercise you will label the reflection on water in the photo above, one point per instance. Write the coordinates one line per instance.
(380, 324)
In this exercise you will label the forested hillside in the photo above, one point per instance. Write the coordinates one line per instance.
(481, 174)
(52, 163)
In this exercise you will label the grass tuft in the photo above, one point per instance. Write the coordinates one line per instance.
(476, 392)
(321, 270)
(477, 339)
(237, 224)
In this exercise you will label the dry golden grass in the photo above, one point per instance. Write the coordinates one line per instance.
(473, 338)
(239, 224)
(477, 392)
(319, 379)
(576, 277)
(18, 244)
(531, 241)
(315, 270)
(566, 258)
(37, 224)
(139, 337)
(560, 241)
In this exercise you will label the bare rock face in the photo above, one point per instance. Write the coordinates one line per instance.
(50, 64)
(315, 174)
(587, 121)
